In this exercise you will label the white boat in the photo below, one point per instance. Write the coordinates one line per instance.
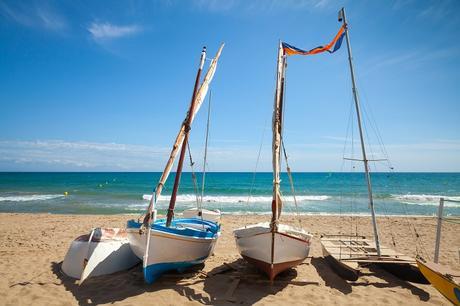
(185, 243)
(103, 251)
(175, 244)
(291, 247)
(274, 247)
(205, 214)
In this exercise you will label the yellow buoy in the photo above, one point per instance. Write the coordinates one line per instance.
(66, 193)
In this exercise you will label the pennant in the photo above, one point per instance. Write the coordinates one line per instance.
(333, 46)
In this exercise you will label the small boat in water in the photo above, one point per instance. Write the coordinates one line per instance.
(175, 243)
(103, 251)
(274, 247)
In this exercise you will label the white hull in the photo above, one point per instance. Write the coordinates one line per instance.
(255, 241)
(173, 248)
(205, 214)
(107, 252)
(169, 251)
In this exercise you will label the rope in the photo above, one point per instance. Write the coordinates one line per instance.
(206, 148)
(291, 182)
(257, 163)
(195, 185)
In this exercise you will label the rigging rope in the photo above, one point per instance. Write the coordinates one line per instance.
(206, 148)
(291, 183)
(195, 185)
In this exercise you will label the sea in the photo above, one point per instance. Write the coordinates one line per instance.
(321, 193)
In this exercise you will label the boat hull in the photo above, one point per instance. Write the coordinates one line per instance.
(447, 286)
(348, 271)
(106, 253)
(345, 254)
(169, 249)
(291, 247)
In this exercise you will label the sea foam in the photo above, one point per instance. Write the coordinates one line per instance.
(31, 197)
(237, 199)
(426, 199)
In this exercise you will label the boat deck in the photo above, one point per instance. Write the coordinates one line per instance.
(362, 250)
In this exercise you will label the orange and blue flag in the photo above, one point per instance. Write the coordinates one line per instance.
(331, 47)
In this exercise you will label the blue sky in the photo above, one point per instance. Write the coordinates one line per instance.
(104, 85)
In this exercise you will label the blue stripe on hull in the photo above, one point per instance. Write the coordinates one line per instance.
(153, 272)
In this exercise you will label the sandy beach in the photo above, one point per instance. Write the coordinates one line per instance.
(32, 247)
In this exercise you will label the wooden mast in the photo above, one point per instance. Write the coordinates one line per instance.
(188, 121)
(276, 147)
(180, 137)
(342, 17)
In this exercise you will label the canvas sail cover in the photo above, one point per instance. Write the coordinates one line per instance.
(276, 141)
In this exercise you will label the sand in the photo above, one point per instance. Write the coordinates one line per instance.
(32, 247)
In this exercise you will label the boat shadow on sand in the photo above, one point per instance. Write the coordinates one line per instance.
(217, 286)
(371, 276)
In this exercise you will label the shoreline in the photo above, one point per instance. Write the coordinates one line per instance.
(229, 214)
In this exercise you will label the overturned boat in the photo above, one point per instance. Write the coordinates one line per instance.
(101, 252)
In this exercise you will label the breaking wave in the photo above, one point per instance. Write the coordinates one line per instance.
(32, 197)
(426, 199)
(237, 199)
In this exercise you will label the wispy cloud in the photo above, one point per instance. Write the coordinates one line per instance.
(34, 15)
(105, 30)
(412, 58)
(261, 5)
(59, 155)
(66, 155)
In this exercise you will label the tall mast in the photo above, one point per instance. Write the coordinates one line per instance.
(342, 17)
(180, 137)
(276, 142)
(188, 121)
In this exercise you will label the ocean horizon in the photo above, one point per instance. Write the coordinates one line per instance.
(329, 193)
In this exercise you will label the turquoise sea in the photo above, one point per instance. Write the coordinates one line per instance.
(317, 193)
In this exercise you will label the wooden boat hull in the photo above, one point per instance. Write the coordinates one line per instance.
(349, 271)
(291, 247)
(205, 214)
(445, 281)
(186, 243)
(107, 252)
(346, 253)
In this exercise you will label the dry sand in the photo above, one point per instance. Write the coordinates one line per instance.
(32, 247)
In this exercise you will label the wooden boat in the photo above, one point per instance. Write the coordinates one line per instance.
(274, 247)
(175, 244)
(444, 279)
(103, 251)
(347, 253)
(291, 247)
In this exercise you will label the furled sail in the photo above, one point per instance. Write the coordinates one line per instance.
(201, 94)
(276, 142)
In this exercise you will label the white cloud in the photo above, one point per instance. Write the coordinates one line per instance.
(59, 155)
(106, 30)
(66, 155)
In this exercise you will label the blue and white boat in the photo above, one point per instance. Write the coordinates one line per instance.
(186, 242)
(175, 243)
